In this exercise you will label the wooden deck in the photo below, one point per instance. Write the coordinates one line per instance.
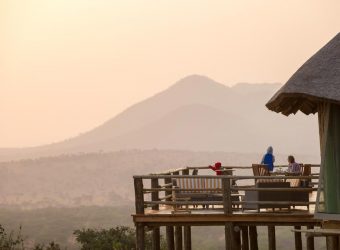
(215, 217)
(157, 206)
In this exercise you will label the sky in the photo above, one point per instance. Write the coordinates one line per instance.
(67, 66)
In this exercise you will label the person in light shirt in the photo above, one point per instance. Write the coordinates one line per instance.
(293, 167)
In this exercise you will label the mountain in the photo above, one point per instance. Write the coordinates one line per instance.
(196, 113)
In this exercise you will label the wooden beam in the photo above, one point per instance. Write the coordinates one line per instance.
(263, 219)
(253, 238)
(298, 239)
(187, 238)
(178, 238)
(271, 238)
(140, 236)
(170, 238)
(155, 195)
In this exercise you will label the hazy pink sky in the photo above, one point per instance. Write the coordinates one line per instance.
(66, 66)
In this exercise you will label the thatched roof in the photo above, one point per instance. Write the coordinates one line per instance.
(317, 80)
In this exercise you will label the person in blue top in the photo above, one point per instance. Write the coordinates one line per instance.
(269, 159)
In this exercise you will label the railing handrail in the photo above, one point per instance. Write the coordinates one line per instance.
(165, 191)
(170, 171)
(235, 177)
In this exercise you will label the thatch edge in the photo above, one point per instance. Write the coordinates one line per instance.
(278, 98)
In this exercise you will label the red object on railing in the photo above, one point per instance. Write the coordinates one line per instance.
(217, 168)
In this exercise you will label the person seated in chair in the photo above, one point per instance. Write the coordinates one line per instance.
(293, 167)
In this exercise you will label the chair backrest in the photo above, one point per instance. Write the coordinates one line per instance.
(260, 170)
(211, 183)
(197, 184)
(195, 171)
(307, 170)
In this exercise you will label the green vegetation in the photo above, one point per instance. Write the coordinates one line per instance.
(118, 238)
(41, 226)
(12, 241)
(9, 241)
(81, 227)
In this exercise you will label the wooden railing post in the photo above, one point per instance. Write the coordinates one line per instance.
(169, 231)
(155, 194)
(167, 181)
(139, 195)
(155, 231)
(227, 206)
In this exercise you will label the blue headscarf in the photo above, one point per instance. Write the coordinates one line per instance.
(270, 150)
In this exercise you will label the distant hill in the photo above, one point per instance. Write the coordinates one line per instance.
(196, 113)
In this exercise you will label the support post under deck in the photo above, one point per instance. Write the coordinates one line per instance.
(236, 238)
(170, 238)
(178, 238)
(310, 240)
(140, 234)
(227, 207)
(156, 239)
(245, 238)
(298, 240)
(228, 230)
(187, 238)
(253, 238)
(271, 238)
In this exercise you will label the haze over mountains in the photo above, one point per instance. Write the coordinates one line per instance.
(195, 122)
(196, 113)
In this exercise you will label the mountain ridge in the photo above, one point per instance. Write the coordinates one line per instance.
(242, 104)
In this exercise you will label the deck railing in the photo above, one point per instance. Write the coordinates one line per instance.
(156, 191)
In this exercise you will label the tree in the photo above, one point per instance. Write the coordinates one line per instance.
(118, 238)
(11, 241)
(51, 246)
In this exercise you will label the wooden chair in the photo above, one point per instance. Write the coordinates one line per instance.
(307, 171)
(260, 170)
(195, 171)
